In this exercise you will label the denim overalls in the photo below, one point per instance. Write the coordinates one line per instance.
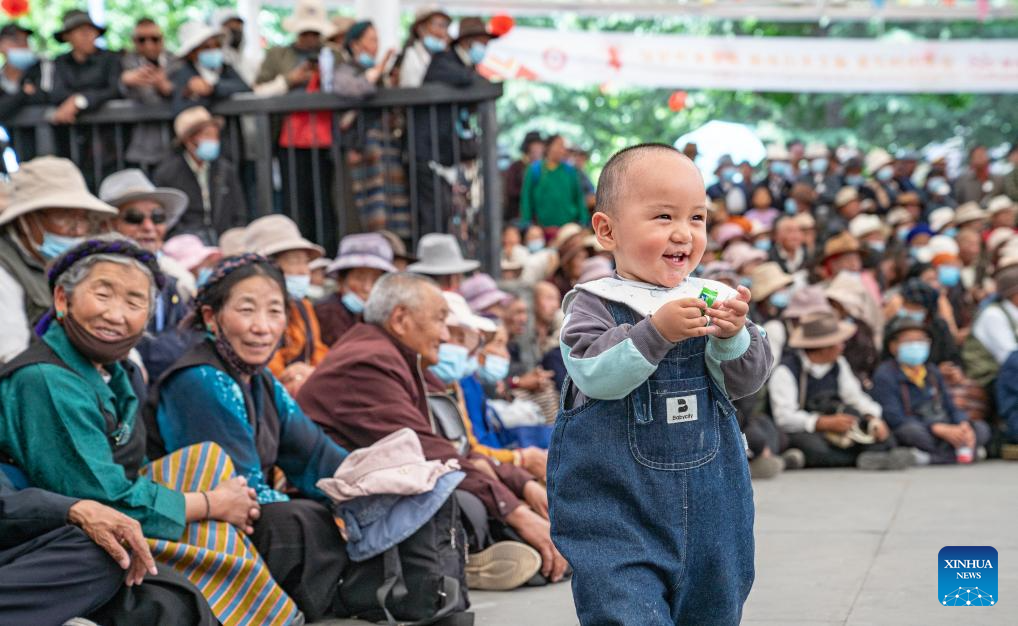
(650, 498)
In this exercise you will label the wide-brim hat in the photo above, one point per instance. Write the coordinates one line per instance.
(12, 28)
(901, 324)
(309, 16)
(876, 159)
(460, 314)
(233, 241)
(821, 330)
(49, 182)
(898, 216)
(738, 255)
(192, 34)
(768, 279)
(844, 196)
(473, 27)
(866, 224)
(969, 212)
(440, 255)
(998, 204)
(805, 302)
(426, 12)
(189, 250)
(843, 243)
(399, 250)
(191, 120)
(131, 185)
(73, 19)
(275, 234)
(481, 292)
(366, 250)
(941, 218)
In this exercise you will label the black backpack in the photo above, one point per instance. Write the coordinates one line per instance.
(421, 581)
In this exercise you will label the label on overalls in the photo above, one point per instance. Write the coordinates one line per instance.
(681, 409)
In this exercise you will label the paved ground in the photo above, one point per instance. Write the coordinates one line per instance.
(847, 548)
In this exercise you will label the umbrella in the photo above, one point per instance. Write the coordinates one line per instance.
(716, 139)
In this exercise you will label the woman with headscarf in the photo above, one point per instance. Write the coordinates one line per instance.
(68, 421)
(222, 391)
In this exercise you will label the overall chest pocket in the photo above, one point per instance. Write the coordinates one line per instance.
(673, 424)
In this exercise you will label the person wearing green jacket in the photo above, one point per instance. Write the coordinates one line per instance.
(552, 195)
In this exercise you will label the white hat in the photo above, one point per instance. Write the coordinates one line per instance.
(231, 242)
(866, 224)
(817, 151)
(131, 184)
(49, 182)
(224, 15)
(309, 16)
(941, 218)
(461, 315)
(193, 34)
(876, 159)
(274, 234)
(898, 216)
(998, 204)
(942, 244)
(999, 237)
(777, 152)
(440, 255)
(320, 263)
(969, 212)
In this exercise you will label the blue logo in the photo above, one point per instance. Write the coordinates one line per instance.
(968, 576)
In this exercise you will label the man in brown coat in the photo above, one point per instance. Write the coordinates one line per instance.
(375, 382)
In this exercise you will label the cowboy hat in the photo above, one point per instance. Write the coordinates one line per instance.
(191, 120)
(941, 218)
(768, 279)
(866, 224)
(35, 189)
(131, 184)
(309, 16)
(821, 330)
(472, 27)
(969, 212)
(73, 19)
(193, 34)
(440, 255)
(843, 243)
(426, 12)
(274, 234)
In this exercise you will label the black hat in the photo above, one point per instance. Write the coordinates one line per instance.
(13, 28)
(73, 19)
(531, 138)
(473, 27)
(899, 325)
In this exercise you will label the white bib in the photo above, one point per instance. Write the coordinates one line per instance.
(645, 298)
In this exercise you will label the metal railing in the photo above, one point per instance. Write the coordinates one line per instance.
(98, 143)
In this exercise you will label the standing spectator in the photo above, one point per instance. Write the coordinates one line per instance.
(551, 193)
(779, 175)
(245, 62)
(531, 151)
(578, 158)
(821, 176)
(145, 81)
(215, 200)
(86, 77)
(429, 35)
(362, 260)
(201, 77)
(21, 78)
(904, 167)
(976, 184)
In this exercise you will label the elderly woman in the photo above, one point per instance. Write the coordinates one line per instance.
(362, 260)
(222, 391)
(68, 421)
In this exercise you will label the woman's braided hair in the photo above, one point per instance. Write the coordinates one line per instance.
(211, 293)
(118, 246)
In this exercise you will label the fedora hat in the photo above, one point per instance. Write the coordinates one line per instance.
(309, 16)
(426, 12)
(969, 212)
(440, 255)
(843, 243)
(367, 250)
(399, 250)
(274, 234)
(73, 19)
(565, 233)
(768, 279)
(866, 224)
(191, 120)
(473, 27)
(876, 159)
(844, 196)
(131, 184)
(821, 330)
(940, 219)
(193, 34)
(998, 204)
(460, 314)
(49, 182)
(481, 292)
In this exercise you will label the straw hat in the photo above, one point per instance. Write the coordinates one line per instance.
(321, 263)
(189, 250)
(821, 330)
(440, 255)
(768, 279)
(131, 184)
(998, 204)
(941, 218)
(191, 120)
(51, 183)
(843, 243)
(866, 224)
(805, 302)
(369, 250)
(274, 234)
(193, 34)
(231, 242)
(461, 315)
(73, 19)
(969, 212)
(482, 293)
(844, 196)
(309, 16)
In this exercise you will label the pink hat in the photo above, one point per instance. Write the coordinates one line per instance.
(189, 251)
(729, 231)
(482, 293)
(739, 254)
(597, 266)
(806, 301)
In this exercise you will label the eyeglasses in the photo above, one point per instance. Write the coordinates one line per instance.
(143, 39)
(135, 217)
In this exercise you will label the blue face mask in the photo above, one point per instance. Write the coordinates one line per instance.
(854, 180)
(728, 174)
(211, 59)
(948, 275)
(495, 368)
(203, 275)
(353, 303)
(951, 232)
(763, 244)
(791, 207)
(366, 60)
(877, 246)
(818, 166)
(902, 234)
(207, 150)
(780, 300)
(535, 246)
(297, 285)
(915, 316)
(55, 245)
(21, 58)
(433, 44)
(885, 174)
(477, 52)
(913, 353)
(453, 363)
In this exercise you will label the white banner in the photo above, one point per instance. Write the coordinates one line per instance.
(756, 63)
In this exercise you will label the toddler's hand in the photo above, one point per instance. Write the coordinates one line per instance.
(682, 319)
(730, 315)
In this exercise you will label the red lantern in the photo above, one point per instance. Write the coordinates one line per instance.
(15, 8)
(677, 101)
(501, 24)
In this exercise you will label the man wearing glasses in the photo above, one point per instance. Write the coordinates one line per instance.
(145, 81)
(145, 214)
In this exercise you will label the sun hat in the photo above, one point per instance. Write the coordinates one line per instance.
(399, 250)
(969, 212)
(940, 219)
(191, 120)
(816, 151)
(768, 279)
(369, 250)
(844, 196)
(224, 15)
(460, 314)
(189, 250)
(821, 330)
(843, 243)
(564, 233)
(729, 231)
(440, 255)
(481, 292)
(231, 242)
(73, 19)
(309, 16)
(274, 234)
(130, 185)
(515, 260)
(739, 254)
(193, 34)
(594, 268)
(49, 182)
(806, 301)
(572, 247)
(866, 224)
(942, 244)
(12, 29)
(998, 204)
(898, 216)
